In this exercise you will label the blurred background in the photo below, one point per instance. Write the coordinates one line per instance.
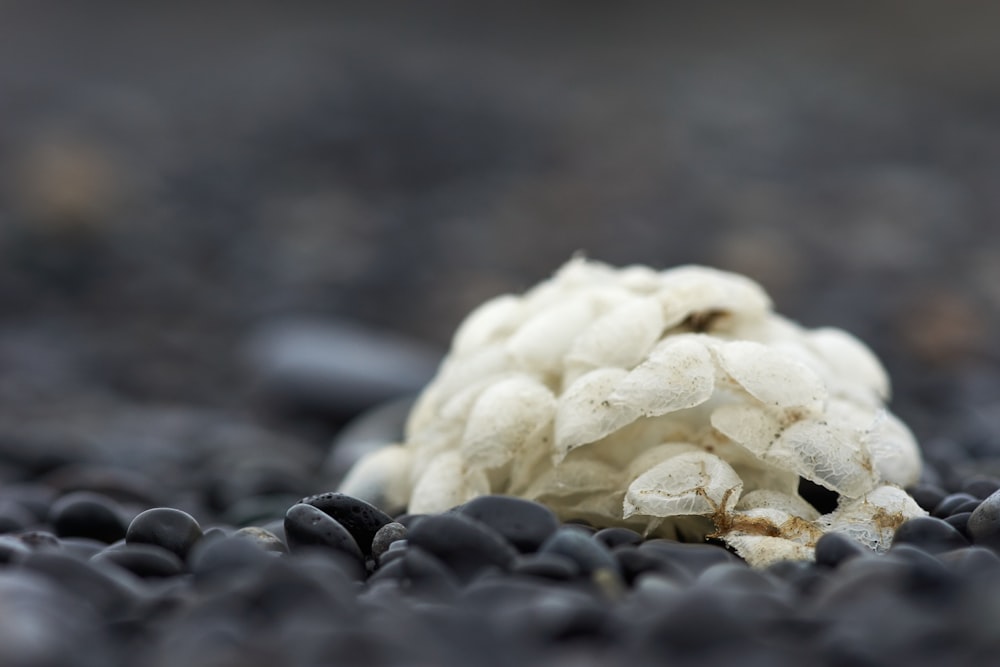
(235, 225)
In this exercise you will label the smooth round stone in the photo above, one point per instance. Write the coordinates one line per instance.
(524, 523)
(14, 517)
(265, 539)
(931, 534)
(420, 573)
(220, 559)
(361, 519)
(112, 592)
(617, 536)
(166, 527)
(142, 560)
(833, 549)
(984, 523)
(35, 498)
(556, 567)
(928, 496)
(960, 522)
(634, 563)
(589, 554)
(12, 550)
(308, 526)
(981, 487)
(955, 503)
(463, 544)
(86, 514)
(386, 536)
(695, 558)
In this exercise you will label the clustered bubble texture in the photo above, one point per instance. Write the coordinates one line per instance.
(674, 402)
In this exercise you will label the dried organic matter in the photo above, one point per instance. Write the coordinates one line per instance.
(675, 402)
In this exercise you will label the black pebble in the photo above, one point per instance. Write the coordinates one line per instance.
(960, 522)
(928, 496)
(931, 534)
(695, 558)
(547, 566)
(143, 560)
(833, 549)
(981, 487)
(386, 536)
(361, 519)
(465, 545)
(420, 573)
(165, 527)
(617, 536)
(226, 557)
(955, 503)
(634, 562)
(308, 526)
(263, 538)
(86, 514)
(524, 523)
(984, 523)
(589, 554)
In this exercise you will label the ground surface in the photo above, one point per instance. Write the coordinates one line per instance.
(173, 180)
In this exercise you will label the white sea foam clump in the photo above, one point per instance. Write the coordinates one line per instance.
(674, 402)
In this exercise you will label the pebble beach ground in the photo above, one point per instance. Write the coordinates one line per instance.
(226, 233)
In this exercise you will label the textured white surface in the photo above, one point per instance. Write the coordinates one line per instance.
(636, 397)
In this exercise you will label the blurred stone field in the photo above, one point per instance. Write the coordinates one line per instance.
(227, 228)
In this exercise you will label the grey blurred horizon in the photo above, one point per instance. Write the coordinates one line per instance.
(173, 177)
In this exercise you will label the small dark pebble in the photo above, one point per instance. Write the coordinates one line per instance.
(87, 514)
(465, 545)
(216, 560)
(386, 536)
(695, 558)
(634, 562)
(955, 503)
(263, 538)
(617, 536)
(524, 523)
(547, 566)
(928, 496)
(981, 487)
(984, 523)
(960, 522)
(165, 527)
(833, 549)
(930, 534)
(308, 526)
(420, 573)
(143, 560)
(589, 554)
(361, 519)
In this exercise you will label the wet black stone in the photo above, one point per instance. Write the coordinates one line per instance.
(931, 534)
(463, 544)
(86, 514)
(833, 549)
(309, 526)
(361, 519)
(695, 558)
(546, 566)
(165, 527)
(589, 554)
(524, 523)
(617, 536)
(955, 503)
(984, 523)
(928, 496)
(142, 560)
(387, 535)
